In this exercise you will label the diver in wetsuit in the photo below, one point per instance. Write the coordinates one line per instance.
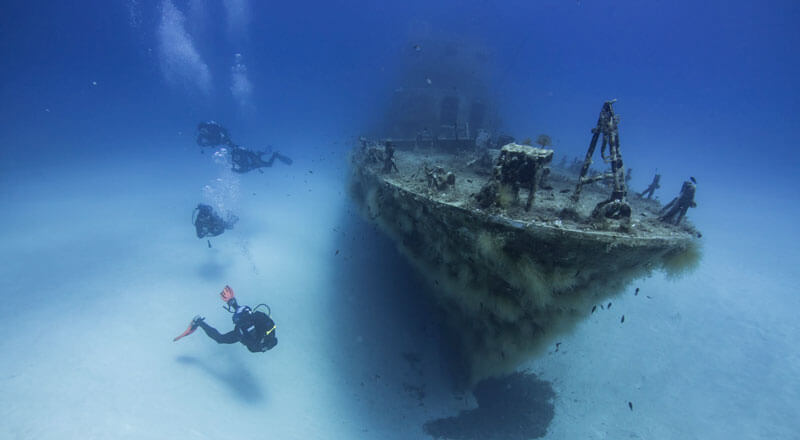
(212, 134)
(208, 223)
(244, 160)
(253, 328)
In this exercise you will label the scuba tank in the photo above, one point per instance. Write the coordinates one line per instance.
(244, 320)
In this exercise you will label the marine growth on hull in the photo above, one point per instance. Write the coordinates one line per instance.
(518, 249)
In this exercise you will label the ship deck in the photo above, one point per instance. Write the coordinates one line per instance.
(548, 210)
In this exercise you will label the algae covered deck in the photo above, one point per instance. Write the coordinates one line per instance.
(552, 208)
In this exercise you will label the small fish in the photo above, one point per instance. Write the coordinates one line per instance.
(608, 306)
(428, 80)
(417, 47)
(602, 307)
(557, 345)
(209, 243)
(630, 405)
(649, 297)
(594, 307)
(637, 292)
(337, 252)
(622, 319)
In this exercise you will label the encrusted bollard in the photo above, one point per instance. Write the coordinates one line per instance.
(675, 210)
(653, 187)
(388, 158)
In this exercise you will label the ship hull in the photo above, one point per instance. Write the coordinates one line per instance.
(510, 287)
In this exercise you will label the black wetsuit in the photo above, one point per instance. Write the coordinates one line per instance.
(244, 160)
(208, 223)
(211, 134)
(255, 330)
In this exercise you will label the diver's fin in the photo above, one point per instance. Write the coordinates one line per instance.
(283, 158)
(227, 294)
(189, 330)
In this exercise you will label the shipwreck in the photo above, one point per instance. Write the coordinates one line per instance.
(517, 249)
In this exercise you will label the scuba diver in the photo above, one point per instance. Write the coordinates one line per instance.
(212, 134)
(253, 328)
(208, 223)
(244, 160)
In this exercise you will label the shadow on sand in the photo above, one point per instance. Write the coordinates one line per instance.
(238, 380)
(399, 340)
(212, 269)
(514, 407)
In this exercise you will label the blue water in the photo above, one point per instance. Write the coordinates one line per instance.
(99, 173)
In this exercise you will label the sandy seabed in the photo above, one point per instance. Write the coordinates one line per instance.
(101, 269)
